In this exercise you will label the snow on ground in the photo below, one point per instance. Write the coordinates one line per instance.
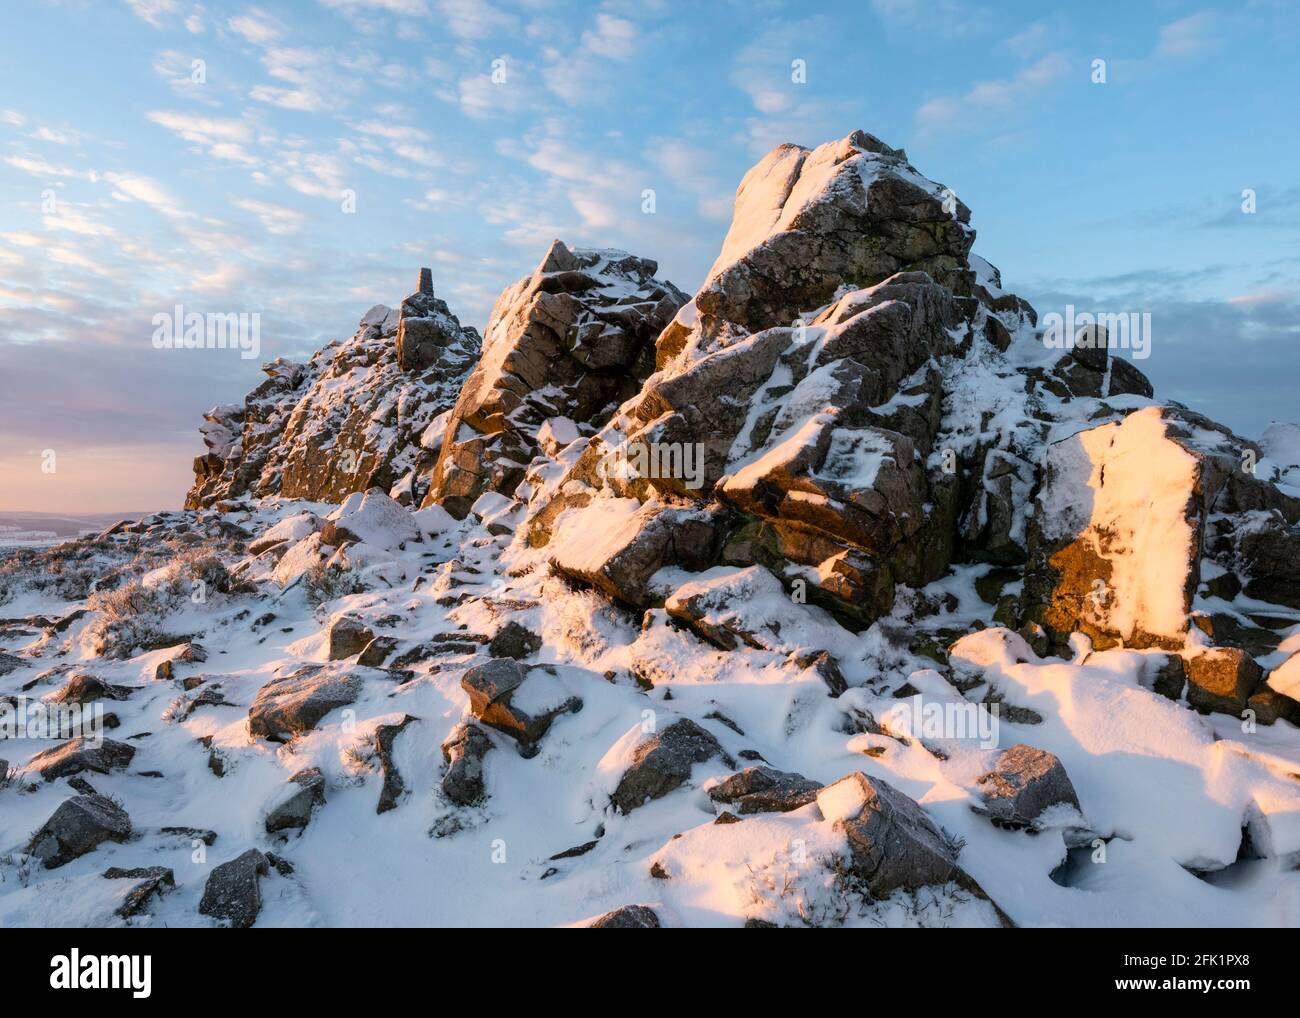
(1165, 792)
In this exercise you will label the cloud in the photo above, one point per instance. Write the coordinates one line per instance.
(406, 7)
(256, 26)
(474, 20)
(222, 138)
(276, 219)
(38, 167)
(1188, 37)
(133, 187)
(153, 12)
(614, 38)
(947, 19)
(986, 103)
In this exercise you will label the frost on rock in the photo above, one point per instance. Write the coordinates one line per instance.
(572, 341)
(348, 419)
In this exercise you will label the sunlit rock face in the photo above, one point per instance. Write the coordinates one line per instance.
(566, 344)
(349, 419)
(808, 383)
(1127, 512)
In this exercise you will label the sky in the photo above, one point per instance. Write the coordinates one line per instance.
(300, 161)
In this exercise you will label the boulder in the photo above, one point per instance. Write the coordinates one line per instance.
(662, 762)
(616, 545)
(463, 752)
(892, 842)
(628, 917)
(78, 826)
(494, 687)
(1221, 679)
(305, 790)
(574, 339)
(296, 703)
(514, 641)
(150, 882)
(81, 754)
(89, 688)
(372, 518)
(348, 636)
(1025, 783)
(233, 893)
(765, 790)
(348, 419)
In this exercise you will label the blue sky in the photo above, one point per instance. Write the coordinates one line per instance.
(128, 186)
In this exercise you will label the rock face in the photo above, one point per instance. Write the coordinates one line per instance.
(293, 810)
(629, 917)
(78, 826)
(798, 397)
(765, 790)
(892, 843)
(464, 751)
(498, 691)
(81, 754)
(662, 762)
(349, 419)
(1119, 529)
(296, 703)
(1024, 783)
(573, 341)
(233, 893)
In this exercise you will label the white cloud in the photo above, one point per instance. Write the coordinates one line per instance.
(133, 187)
(1187, 37)
(275, 219)
(12, 117)
(40, 168)
(474, 19)
(221, 137)
(614, 38)
(991, 100)
(154, 12)
(407, 7)
(256, 26)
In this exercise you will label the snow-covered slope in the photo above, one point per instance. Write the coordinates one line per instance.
(868, 608)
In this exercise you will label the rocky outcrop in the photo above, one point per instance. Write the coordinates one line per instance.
(799, 397)
(349, 419)
(569, 343)
(78, 826)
